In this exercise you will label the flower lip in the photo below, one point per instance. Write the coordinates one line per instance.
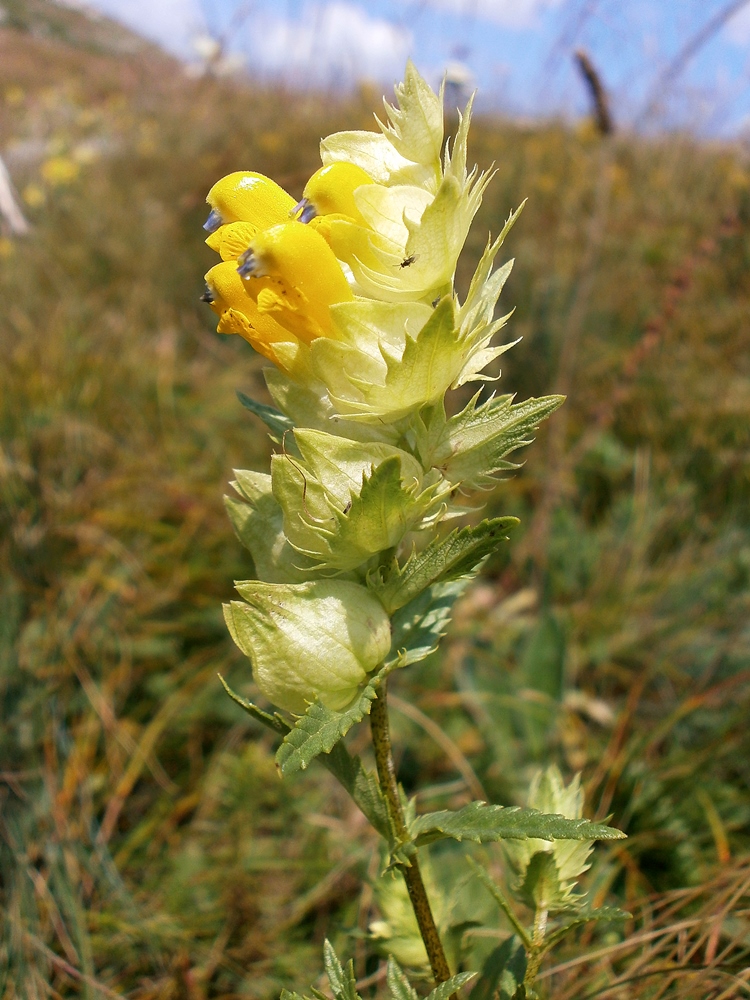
(214, 221)
(303, 211)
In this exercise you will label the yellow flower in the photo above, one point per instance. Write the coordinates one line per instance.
(59, 171)
(331, 190)
(290, 271)
(245, 196)
(239, 313)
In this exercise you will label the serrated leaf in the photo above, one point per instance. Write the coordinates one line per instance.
(450, 986)
(274, 419)
(342, 983)
(415, 125)
(484, 823)
(341, 520)
(398, 984)
(377, 519)
(473, 445)
(448, 559)
(361, 784)
(320, 729)
(502, 972)
(603, 914)
(418, 627)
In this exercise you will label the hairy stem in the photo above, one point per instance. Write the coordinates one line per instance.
(536, 952)
(381, 739)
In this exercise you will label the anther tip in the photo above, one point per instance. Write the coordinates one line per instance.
(213, 222)
(246, 264)
(303, 211)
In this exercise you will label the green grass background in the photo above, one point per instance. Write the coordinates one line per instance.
(148, 848)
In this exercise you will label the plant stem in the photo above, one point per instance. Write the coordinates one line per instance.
(536, 952)
(381, 739)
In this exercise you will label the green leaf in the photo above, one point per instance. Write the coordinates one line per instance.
(274, 721)
(495, 891)
(418, 627)
(484, 823)
(342, 983)
(455, 556)
(416, 377)
(415, 124)
(320, 729)
(360, 783)
(340, 512)
(603, 914)
(502, 973)
(398, 984)
(286, 995)
(377, 519)
(274, 419)
(542, 669)
(450, 986)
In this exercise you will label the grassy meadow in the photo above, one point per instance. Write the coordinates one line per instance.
(148, 849)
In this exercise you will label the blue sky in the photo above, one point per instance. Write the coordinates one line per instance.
(517, 51)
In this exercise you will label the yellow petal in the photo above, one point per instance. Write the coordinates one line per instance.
(331, 189)
(303, 269)
(231, 241)
(246, 196)
(239, 313)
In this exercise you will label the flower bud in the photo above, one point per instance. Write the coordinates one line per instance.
(330, 191)
(246, 196)
(309, 640)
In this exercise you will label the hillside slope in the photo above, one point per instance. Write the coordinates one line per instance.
(146, 842)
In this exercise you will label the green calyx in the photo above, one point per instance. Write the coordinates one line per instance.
(314, 641)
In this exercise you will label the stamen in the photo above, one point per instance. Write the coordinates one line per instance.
(213, 222)
(248, 264)
(208, 295)
(303, 211)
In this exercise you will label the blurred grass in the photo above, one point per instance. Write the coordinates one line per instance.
(147, 847)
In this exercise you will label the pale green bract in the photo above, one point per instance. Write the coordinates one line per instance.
(317, 639)
(549, 794)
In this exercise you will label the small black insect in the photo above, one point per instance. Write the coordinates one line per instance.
(408, 261)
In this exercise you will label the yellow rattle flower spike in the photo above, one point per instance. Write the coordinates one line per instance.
(246, 196)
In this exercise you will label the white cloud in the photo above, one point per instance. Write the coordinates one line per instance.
(737, 28)
(508, 13)
(171, 23)
(334, 43)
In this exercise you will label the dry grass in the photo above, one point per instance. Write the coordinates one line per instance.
(147, 847)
